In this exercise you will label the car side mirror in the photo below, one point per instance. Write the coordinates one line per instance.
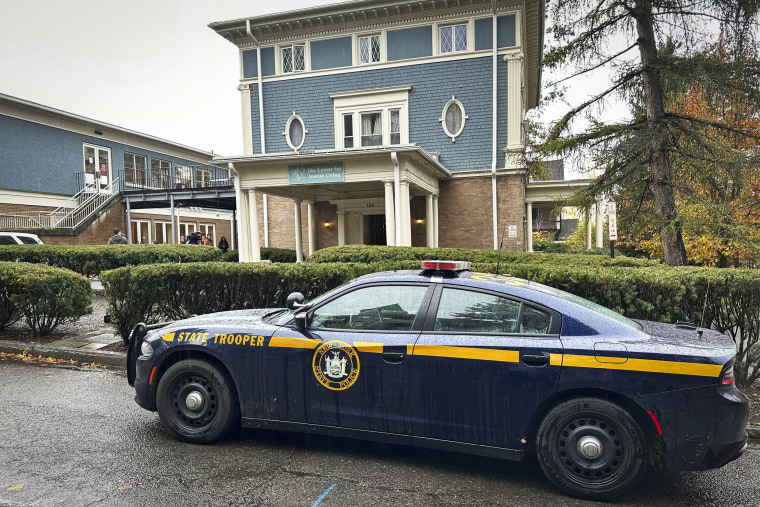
(295, 301)
(300, 319)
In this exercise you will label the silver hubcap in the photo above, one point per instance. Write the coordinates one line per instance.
(590, 447)
(194, 401)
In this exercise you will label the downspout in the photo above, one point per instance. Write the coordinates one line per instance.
(260, 79)
(397, 196)
(232, 169)
(493, 131)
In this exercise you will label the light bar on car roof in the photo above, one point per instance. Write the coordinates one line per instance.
(446, 265)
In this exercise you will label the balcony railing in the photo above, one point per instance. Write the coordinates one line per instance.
(180, 178)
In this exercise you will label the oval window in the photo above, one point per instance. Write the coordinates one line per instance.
(453, 118)
(295, 133)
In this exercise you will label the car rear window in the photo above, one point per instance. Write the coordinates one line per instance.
(27, 241)
(590, 305)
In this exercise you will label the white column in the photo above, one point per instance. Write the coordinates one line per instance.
(341, 228)
(390, 220)
(429, 222)
(265, 207)
(253, 213)
(310, 225)
(437, 223)
(357, 229)
(588, 228)
(244, 243)
(529, 219)
(299, 235)
(599, 225)
(405, 217)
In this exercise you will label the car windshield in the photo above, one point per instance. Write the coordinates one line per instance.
(590, 305)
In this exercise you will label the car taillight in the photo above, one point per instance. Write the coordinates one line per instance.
(727, 375)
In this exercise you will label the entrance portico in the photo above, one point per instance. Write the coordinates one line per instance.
(360, 192)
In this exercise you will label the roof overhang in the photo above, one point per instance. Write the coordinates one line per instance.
(553, 191)
(418, 155)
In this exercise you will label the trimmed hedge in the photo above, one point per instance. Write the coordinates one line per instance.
(267, 254)
(374, 254)
(91, 260)
(174, 291)
(45, 296)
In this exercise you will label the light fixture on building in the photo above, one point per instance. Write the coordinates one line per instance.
(327, 225)
(419, 222)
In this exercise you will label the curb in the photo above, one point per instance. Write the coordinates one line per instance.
(112, 359)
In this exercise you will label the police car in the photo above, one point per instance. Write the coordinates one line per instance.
(451, 359)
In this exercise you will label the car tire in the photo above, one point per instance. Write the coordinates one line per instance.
(196, 401)
(591, 448)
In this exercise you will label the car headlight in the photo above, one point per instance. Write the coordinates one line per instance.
(146, 349)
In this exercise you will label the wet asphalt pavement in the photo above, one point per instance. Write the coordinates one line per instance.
(76, 437)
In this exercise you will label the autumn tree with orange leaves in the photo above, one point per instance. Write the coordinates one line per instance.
(668, 161)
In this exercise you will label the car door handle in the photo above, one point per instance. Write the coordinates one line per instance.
(393, 357)
(535, 360)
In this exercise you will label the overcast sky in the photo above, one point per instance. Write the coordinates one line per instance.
(152, 66)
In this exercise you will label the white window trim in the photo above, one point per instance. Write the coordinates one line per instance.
(469, 23)
(442, 119)
(368, 101)
(357, 48)
(294, 117)
(306, 57)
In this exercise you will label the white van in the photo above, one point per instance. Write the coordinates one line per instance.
(19, 238)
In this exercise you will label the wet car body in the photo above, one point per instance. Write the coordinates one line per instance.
(596, 397)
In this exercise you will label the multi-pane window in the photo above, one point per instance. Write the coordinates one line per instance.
(453, 38)
(348, 130)
(135, 169)
(293, 58)
(372, 129)
(395, 126)
(183, 177)
(160, 173)
(369, 49)
(202, 178)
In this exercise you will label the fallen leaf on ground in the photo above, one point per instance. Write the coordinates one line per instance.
(16, 487)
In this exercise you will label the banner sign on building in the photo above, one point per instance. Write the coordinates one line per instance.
(304, 174)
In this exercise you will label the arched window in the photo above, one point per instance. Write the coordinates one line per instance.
(295, 132)
(453, 118)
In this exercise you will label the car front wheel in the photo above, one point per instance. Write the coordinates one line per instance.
(196, 401)
(591, 448)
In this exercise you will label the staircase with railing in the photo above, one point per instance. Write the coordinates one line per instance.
(75, 211)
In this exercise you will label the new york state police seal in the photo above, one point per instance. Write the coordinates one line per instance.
(336, 365)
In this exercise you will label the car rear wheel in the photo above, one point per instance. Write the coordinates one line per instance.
(196, 401)
(591, 448)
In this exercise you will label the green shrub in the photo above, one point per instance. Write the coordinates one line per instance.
(267, 254)
(44, 295)
(91, 260)
(174, 291)
(9, 275)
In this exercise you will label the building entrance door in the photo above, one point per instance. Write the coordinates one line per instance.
(374, 225)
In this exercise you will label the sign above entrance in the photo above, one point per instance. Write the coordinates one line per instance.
(303, 174)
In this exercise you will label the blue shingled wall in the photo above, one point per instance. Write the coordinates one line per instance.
(39, 158)
(432, 85)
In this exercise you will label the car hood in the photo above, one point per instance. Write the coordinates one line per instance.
(240, 320)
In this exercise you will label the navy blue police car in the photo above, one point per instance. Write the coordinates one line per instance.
(451, 359)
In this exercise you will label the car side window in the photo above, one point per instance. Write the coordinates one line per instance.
(466, 311)
(373, 308)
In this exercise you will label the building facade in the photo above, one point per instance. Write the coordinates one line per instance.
(378, 122)
(72, 180)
